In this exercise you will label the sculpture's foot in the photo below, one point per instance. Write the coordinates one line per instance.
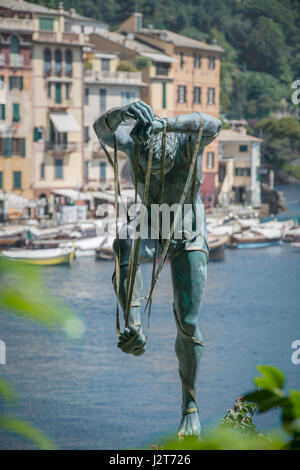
(189, 425)
(132, 341)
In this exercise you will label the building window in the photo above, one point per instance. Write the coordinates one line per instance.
(86, 170)
(47, 62)
(86, 96)
(102, 99)
(105, 65)
(197, 95)
(210, 160)
(67, 91)
(17, 179)
(181, 94)
(161, 68)
(197, 60)
(127, 97)
(6, 146)
(86, 134)
(164, 95)
(58, 67)
(102, 171)
(14, 45)
(57, 93)
(243, 148)
(16, 82)
(46, 24)
(242, 171)
(42, 171)
(16, 112)
(211, 96)
(37, 134)
(138, 23)
(1, 179)
(2, 112)
(58, 168)
(69, 62)
(49, 89)
(211, 63)
(181, 59)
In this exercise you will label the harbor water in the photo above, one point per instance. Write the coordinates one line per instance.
(90, 395)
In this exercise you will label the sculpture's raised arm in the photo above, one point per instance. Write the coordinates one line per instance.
(108, 124)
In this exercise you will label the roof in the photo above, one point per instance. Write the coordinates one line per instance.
(180, 40)
(129, 41)
(18, 5)
(229, 135)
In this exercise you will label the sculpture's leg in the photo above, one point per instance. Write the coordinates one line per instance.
(132, 340)
(189, 271)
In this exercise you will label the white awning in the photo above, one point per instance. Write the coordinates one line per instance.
(72, 194)
(64, 122)
(105, 55)
(158, 57)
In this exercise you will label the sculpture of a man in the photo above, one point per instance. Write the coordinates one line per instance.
(188, 254)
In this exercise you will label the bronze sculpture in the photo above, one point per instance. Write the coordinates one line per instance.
(166, 164)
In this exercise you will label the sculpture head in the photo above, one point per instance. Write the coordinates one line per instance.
(171, 149)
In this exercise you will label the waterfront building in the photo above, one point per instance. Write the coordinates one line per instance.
(50, 116)
(239, 163)
(195, 86)
(105, 88)
(16, 119)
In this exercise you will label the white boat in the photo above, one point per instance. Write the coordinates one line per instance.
(45, 257)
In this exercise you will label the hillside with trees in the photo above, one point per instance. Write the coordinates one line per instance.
(261, 59)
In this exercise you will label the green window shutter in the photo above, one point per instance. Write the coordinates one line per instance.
(57, 93)
(1, 179)
(2, 115)
(11, 83)
(23, 147)
(7, 146)
(46, 24)
(16, 112)
(37, 135)
(164, 97)
(21, 83)
(17, 179)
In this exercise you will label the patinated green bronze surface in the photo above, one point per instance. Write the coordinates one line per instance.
(171, 145)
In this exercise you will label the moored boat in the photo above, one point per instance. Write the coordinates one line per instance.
(45, 257)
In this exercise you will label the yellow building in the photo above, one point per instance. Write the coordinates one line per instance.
(15, 107)
(42, 65)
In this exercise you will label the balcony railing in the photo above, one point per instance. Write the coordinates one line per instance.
(53, 36)
(114, 77)
(67, 147)
(16, 23)
(16, 60)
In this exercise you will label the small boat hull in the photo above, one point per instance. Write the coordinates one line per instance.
(247, 244)
(51, 259)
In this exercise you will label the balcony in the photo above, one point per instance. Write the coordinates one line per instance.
(61, 148)
(122, 78)
(52, 36)
(16, 60)
(19, 24)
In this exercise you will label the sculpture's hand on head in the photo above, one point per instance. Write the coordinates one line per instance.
(139, 111)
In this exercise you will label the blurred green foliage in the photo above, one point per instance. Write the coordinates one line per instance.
(23, 294)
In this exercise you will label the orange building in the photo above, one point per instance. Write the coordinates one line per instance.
(195, 72)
